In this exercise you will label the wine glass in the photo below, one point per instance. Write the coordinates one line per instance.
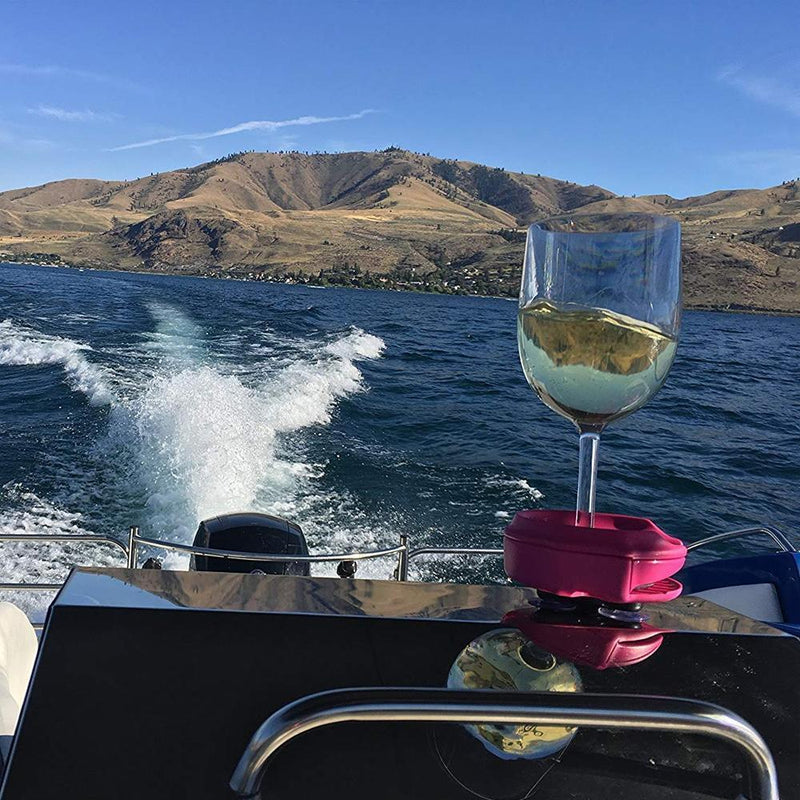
(599, 316)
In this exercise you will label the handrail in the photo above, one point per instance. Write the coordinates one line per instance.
(322, 557)
(401, 573)
(615, 712)
(405, 554)
(767, 530)
(64, 537)
(30, 587)
(268, 557)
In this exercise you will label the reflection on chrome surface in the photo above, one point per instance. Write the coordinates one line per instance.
(505, 659)
(127, 588)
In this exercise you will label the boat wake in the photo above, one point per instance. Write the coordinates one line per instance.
(22, 346)
(209, 436)
(194, 427)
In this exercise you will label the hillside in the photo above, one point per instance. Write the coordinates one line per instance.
(392, 218)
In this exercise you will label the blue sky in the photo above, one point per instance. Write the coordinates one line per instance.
(639, 97)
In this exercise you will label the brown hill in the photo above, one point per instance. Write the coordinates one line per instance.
(391, 218)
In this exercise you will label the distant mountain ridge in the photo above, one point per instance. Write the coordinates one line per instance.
(390, 218)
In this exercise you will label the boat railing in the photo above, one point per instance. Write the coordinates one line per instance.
(237, 555)
(66, 538)
(406, 554)
(762, 530)
(403, 552)
(601, 711)
(55, 538)
(130, 551)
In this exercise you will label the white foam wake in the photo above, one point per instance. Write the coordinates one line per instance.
(357, 345)
(190, 435)
(177, 339)
(24, 346)
(210, 443)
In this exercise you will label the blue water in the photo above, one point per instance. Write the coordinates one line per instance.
(158, 401)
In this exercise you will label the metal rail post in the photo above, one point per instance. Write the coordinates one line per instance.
(133, 532)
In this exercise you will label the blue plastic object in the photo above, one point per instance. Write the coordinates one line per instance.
(780, 569)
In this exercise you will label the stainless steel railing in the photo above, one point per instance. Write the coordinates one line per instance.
(764, 530)
(403, 551)
(30, 587)
(68, 538)
(236, 555)
(65, 538)
(407, 554)
(611, 712)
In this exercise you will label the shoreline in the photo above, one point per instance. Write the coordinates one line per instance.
(733, 308)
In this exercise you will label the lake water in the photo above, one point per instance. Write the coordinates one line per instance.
(159, 401)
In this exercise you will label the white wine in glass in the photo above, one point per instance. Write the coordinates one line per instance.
(598, 321)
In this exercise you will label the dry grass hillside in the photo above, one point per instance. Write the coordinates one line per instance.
(390, 218)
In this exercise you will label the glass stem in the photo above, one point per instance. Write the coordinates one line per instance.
(587, 478)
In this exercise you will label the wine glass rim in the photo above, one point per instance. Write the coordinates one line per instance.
(646, 222)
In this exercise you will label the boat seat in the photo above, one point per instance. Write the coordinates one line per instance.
(765, 587)
(18, 646)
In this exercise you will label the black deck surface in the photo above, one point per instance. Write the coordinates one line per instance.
(158, 702)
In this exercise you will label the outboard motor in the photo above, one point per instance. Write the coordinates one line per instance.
(250, 533)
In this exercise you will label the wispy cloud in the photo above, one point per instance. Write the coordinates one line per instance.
(66, 115)
(763, 89)
(57, 71)
(255, 125)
